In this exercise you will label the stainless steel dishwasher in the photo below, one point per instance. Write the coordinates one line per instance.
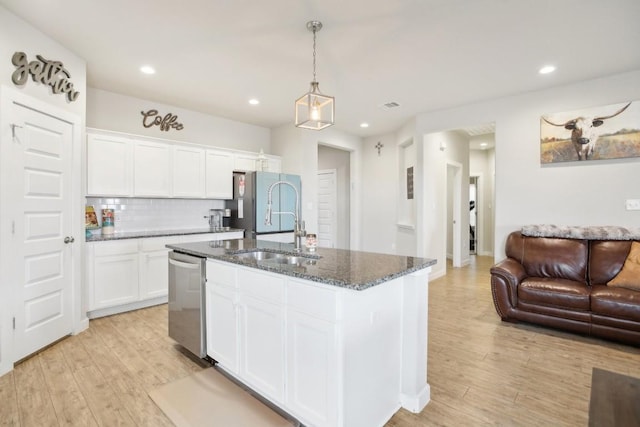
(186, 302)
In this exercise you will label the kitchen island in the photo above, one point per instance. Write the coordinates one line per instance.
(333, 337)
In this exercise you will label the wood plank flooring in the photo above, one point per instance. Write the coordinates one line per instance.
(481, 371)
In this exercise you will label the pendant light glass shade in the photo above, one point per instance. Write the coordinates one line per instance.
(313, 109)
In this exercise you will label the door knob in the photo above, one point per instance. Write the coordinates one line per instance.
(69, 239)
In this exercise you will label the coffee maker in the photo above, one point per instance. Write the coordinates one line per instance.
(215, 219)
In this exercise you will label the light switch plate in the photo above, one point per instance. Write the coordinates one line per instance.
(633, 204)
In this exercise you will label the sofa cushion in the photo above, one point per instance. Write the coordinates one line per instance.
(563, 293)
(620, 303)
(629, 276)
(606, 260)
(556, 258)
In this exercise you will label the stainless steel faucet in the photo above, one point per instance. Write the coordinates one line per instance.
(298, 229)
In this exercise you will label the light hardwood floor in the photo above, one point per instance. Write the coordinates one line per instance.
(481, 371)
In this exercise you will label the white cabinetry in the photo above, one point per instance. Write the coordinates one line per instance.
(152, 169)
(109, 165)
(245, 325)
(219, 174)
(312, 353)
(222, 315)
(137, 166)
(261, 299)
(244, 161)
(113, 274)
(327, 355)
(128, 274)
(188, 171)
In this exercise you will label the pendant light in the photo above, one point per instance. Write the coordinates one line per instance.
(313, 109)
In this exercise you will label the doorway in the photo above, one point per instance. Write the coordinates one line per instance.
(473, 215)
(40, 205)
(327, 208)
(334, 197)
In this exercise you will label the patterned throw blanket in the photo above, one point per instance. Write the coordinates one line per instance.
(607, 232)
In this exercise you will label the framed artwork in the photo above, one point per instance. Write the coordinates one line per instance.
(599, 133)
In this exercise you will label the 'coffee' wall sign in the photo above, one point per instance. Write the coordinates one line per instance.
(45, 71)
(166, 123)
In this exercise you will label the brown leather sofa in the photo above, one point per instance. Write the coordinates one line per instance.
(562, 283)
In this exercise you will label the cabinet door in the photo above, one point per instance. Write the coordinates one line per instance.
(222, 325)
(115, 280)
(245, 161)
(188, 171)
(152, 169)
(262, 326)
(154, 274)
(109, 166)
(313, 369)
(219, 175)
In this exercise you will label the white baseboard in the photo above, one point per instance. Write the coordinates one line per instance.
(416, 403)
(126, 307)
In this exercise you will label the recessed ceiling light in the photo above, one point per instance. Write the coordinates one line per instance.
(484, 144)
(547, 69)
(364, 125)
(147, 69)
(254, 101)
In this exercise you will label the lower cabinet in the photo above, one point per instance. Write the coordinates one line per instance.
(127, 274)
(312, 379)
(245, 326)
(259, 329)
(114, 274)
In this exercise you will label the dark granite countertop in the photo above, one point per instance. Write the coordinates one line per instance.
(156, 233)
(354, 270)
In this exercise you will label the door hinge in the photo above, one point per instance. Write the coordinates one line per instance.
(14, 323)
(13, 227)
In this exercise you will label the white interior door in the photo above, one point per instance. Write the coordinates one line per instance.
(40, 215)
(327, 208)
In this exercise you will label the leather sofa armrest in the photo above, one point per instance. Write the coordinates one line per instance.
(505, 278)
(511, 270)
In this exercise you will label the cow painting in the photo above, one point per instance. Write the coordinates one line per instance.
(584, 131)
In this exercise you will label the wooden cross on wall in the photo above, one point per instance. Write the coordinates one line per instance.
(378, 146)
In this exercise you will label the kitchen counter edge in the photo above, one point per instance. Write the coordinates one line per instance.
(157, 233)
(227, 255)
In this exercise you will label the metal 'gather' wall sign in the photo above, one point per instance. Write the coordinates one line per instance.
(45, 71)
(166, 123)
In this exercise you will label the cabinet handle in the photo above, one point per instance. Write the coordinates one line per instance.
(69, 239)
(184, 264)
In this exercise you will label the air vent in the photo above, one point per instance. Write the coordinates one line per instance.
(390, 105)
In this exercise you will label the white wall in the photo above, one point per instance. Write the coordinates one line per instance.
(379, 194)
(299, 151)
(586, 193)
(112, 111)
(332, 158)
(16, 35)
(435, 195)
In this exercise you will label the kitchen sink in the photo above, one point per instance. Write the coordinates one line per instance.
(276, 258)
(259, 255)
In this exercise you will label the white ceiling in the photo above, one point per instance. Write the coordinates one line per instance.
(212, 55)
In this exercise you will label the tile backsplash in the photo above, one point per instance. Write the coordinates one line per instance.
(134, 214)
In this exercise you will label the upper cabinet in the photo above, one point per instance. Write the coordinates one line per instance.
(109, 166)
(134, 166)
(188, 171)
(152, 169)
(219, 174)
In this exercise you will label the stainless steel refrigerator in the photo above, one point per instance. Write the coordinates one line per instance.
(249, 204)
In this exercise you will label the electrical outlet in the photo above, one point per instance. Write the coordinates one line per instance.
(633, 204)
